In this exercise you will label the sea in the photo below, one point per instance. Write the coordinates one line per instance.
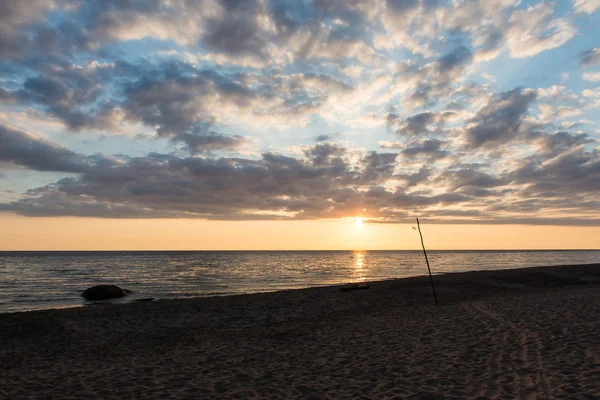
(48, 280)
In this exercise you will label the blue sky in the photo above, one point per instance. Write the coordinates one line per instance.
(458, 111)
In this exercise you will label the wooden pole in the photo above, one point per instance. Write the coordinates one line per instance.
(427, 261)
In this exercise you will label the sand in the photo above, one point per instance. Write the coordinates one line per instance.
(531, 334)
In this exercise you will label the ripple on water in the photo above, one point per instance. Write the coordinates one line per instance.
(38, 280)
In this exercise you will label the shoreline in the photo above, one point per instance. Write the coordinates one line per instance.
(529, 332)
(458, 275)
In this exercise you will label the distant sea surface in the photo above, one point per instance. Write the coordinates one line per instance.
(43, 280)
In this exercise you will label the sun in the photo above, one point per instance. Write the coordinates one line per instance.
(358, 221)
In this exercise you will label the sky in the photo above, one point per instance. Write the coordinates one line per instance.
(301, 124)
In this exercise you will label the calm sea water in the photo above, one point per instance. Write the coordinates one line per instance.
(42, 280)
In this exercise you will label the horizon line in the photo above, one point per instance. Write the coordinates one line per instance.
(279, 250)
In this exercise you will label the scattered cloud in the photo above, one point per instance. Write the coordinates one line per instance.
(326, 137)
(590, 57)
(586, 6)
(500, 120)
(533, 30)
(591, 76)
(26, 150)
(300, 110)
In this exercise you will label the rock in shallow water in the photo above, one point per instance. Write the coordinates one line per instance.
(104, 292)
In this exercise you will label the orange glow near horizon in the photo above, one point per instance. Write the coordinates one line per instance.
(70, 233)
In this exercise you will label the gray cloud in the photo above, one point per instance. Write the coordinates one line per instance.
(559, 142)
(180, 102)
(14, 15)
(416, 178)
(453, 60)
(246, 32)
(279, 62)
(574, 171)
(419, 124)
(325, 183)
(183, 103)
(326, 154)
(28, 151)
(211, 142)
(180, 107)
(435, 80)
(326, 137)
(194, 187)
(590, 57)
(70, 94)
(239, 32)
(431, 149)
(469, 178)
(499, 121)
(490, 40)
(378, 167)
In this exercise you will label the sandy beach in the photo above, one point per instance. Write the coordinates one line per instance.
(514, 334)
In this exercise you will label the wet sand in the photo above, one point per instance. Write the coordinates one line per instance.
(531, 333)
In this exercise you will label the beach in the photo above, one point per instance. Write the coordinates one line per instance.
(525, 333)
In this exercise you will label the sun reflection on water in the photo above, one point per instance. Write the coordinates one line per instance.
(359, 272)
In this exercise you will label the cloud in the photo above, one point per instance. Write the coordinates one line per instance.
(126, 20)
(378, 167)
(211, 142)
(179, 101)
(26, 150)
(594, 92)
(14, 15)
(416, 178)
(183, 107)
(489, 25)
(71, 94)
(250, 33)
(327, 181)
(323, 184)
(240, 86)
(489, 41)
(575, 124)
(434, 80)
(408, 23)
(533, 30)
(500, 120)
(183, 103)
(585, 6)
(276, 186)
(590, 57)
(568, 178)
(591, 76)
(17, 13)
(453, 60)
(419, 124)
(431, 149)
(559, 142)
(549, 114)
(467, 179)
(326, 137)
(558, 93)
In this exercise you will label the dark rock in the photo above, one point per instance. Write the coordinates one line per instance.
(355, 286)
(104, 292)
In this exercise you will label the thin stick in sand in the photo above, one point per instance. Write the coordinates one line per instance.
(427, 261)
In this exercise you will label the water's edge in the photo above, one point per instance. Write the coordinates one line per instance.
(50, 280)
